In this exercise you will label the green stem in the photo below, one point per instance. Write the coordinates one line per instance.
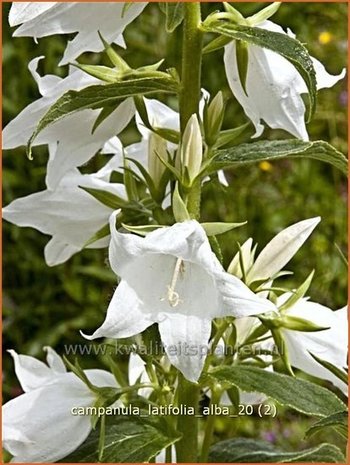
(209, 429)
(190, 93)
(188, 393)
(187, 447)
(191, 63)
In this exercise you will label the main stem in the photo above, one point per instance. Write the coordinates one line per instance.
(191, 85)
(188, 393)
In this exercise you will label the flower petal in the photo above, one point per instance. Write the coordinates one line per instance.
(43, 417)
(30, 372)
(271, 86)
(85, 19)
(21, 12)
(277, 253)
(19, 130)
(125, 315)
(77, 142)
(330, 344)
(186, 342)
(58, 251)
(238, 300)
(70, 227)
(54, 361)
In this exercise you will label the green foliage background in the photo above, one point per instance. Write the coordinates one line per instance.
(48, 306)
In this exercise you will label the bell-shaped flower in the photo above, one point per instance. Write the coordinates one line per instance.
(69, 214)
(172, 277)
(275, 255)
(86, 19)
(273, 87)
(40, 425)
(77, 142)
(330, 345)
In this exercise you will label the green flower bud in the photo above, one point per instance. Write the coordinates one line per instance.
(191, 151)
(157, 151)
(213, 116)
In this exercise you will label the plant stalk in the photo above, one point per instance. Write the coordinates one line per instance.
(188, 393)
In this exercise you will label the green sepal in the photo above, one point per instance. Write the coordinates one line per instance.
(263, 14)
(100, 234)
(216, 44)
(298, 294)
(214, 229)
(179, 207)
(242, 62)
(106, 198)
(100, 72)
(282, 349)
(142, 230)
(114, 57)
(340, 374)
(234, 136)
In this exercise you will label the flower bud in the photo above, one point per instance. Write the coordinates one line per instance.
(157, 151)
(191, 151)
(213, 116)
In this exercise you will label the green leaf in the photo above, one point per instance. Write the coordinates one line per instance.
(99, 96)
(277, 149)
(128, 439)
(298, 394)
(291, 49)
(214, 229)
(174, 12)
(244, 450)
(106, 198)
(338, 419)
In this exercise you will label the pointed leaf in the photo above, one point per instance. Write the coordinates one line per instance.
(244, 450)
(98, 96)
(274, 150)
(174, 12)
(128, 439)
(339, 419)
(298, 394)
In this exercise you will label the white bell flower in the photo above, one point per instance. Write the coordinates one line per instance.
(68, 213)
(39, 426)
(172, 277)
(273, 87)
(76, 141)
(330, 344)
(87, 19)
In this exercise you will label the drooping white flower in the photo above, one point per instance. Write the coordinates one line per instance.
(273, 87)
(38, 426)
(171, 277)
(330, 344)
(68, 213)
(87, 19)
(275, 255)
(77, 143)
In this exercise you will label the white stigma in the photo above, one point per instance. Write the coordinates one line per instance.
(173, 296)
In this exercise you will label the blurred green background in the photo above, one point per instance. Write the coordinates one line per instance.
(47, 306)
